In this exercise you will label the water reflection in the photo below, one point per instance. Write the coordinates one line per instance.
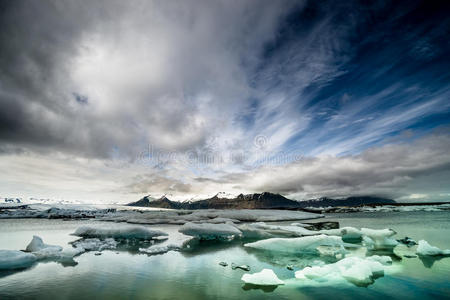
(264, 288)
(428, 261)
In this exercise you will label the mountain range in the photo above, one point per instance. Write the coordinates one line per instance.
(264, 200)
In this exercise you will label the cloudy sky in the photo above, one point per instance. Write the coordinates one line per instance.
(106, 101)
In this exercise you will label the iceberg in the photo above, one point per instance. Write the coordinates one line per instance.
(156, 249)
(307, 244)
(95, 244)
(371, 238)
(426, 249)
(13, 260)
(44, 251)
(242, 267)
(262, 229)
(207, 231)
(176, 241)
(37, 244)
(360, 271)
(381, 237)
(265, 277)
(118, 232)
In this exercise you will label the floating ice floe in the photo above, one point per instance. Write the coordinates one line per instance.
(371, 238)
(262, 229)
(44, 251)
(13, 260)
(156, 249)
(218, 216)
(426, 249)
(307, 244)
(55, 211)
(155, 216)
(360, 271)
(37, 244)
(381, 208)
(206, 231)
(95, 244)
(265, 277)
(175, 241)
(119, 232)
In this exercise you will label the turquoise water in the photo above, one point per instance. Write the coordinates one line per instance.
(197, 274)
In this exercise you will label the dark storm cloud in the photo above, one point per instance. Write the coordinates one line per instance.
(38, 39)
(326, 80)
(148, 69)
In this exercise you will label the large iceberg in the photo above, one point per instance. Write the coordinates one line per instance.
(308, 244)
(265, 277)
(426, 249)
(13, 259)
(207, 231)
(118, 232)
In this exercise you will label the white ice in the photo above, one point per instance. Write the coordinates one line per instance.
(372, 238)
(118, 232)
(176, 241)
(298, 245)
(95, 244)
(13, 259)
(206, 231)
(261, 229)
(265, 277)
(44, 251)
(207, 216)
(353, 269)
(37, 244)
(426, 249)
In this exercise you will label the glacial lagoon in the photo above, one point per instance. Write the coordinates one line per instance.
(127, 273)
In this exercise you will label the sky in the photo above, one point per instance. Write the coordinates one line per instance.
(108, 101)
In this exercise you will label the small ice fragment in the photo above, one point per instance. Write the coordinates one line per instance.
(13, 259)
(153, 250)
(242, 267)
(407, 241)
(290, 267)
(426, 249)
(265, 277)
(223, 264)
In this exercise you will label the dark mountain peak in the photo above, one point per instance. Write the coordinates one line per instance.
(349, 201)
(265, 200)
(164, 198)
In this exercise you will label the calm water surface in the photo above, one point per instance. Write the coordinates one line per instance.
(197, 275)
